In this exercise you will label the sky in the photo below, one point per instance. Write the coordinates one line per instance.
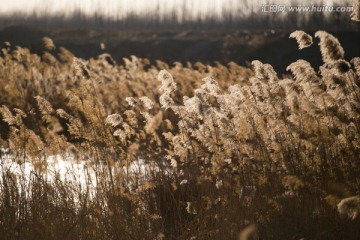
(121, 8)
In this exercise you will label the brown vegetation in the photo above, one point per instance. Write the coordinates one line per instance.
(239, 150)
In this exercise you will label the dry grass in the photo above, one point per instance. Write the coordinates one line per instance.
(239, 150)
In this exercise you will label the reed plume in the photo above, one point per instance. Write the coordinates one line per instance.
(356, 12)
(303, 39)
(330, 47)
(349, 207)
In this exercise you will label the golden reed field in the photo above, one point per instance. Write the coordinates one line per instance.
(222, 152)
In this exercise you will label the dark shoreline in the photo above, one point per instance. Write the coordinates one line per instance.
(240, 46)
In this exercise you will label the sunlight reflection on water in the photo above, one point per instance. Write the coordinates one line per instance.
(79, 174)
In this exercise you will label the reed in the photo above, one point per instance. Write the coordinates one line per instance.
(205, 152)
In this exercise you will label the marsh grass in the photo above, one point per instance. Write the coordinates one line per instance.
(226, 149)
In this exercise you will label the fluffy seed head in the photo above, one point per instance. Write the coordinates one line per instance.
(166, 101)
(48, 43)
(264, 71)
(114, 120)
(167, 81)
(341, 66)
(302, 71)
(146, 102)
(356, 62)
(192, 104)
(44, 106)
(303, 39)
(131, 101)
(349, 207)
(63, 114)
(80, 68)
(330, 47)
(356, 13)
(7, 115)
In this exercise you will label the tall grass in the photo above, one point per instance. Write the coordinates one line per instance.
(240, 151)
